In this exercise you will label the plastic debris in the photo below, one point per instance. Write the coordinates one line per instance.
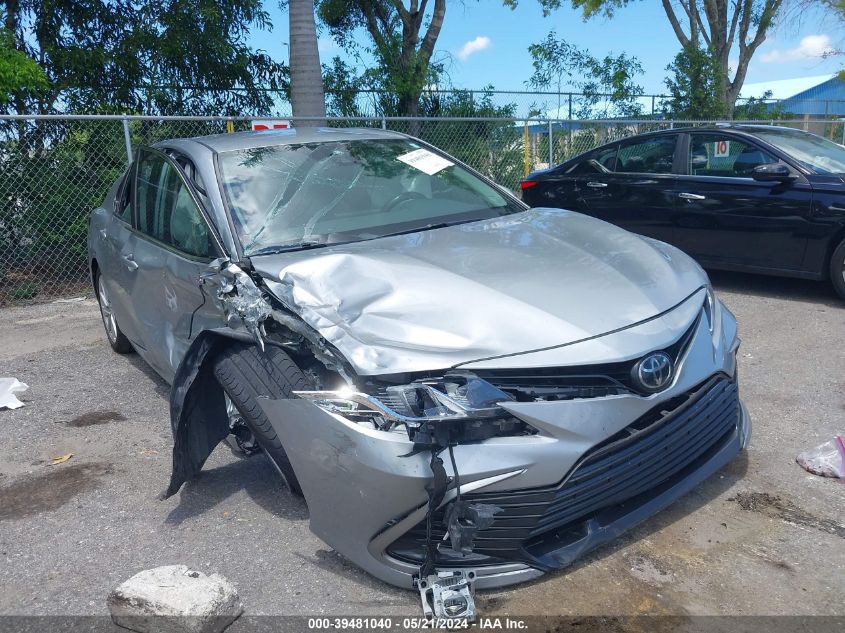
(61, 459)
(8, 388)
(827, 460)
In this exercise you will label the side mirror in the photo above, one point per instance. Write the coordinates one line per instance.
(773, 172)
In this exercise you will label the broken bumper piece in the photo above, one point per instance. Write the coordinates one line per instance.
(589, 469)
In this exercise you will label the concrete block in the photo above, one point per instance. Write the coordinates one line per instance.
(175, 599)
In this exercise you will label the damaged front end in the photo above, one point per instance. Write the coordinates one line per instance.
(484, 475)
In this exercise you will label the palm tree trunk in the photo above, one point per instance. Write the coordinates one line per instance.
(306, 81)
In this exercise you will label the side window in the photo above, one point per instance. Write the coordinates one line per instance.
(651, 156)
(166, 210)
(599, 162)
(123, 200)
(721, 155)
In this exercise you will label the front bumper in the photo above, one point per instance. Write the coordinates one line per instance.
(366, 495)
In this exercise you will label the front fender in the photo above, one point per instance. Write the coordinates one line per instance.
(198, 415)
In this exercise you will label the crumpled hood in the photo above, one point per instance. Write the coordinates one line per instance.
(445, 297)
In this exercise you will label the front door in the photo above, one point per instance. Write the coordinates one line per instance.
(726, 218)
(172, 247)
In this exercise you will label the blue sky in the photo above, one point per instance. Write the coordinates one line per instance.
(485, 43)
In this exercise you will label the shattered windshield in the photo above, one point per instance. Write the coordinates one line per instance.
(310, 194)
(813, 152)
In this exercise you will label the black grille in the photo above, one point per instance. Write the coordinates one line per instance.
(660, 447)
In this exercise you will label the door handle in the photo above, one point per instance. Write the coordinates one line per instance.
(597, 185)
(130, 262)
(691, 196)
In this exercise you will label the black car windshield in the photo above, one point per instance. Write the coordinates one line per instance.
(817, 154)
(312, 194)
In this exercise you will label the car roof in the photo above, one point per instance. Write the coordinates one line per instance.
(271, 138)
(742, 128)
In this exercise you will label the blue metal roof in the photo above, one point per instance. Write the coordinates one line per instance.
(825, 99)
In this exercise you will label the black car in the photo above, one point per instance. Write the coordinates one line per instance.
(762, 199)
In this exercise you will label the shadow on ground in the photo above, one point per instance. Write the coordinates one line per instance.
(775, 287)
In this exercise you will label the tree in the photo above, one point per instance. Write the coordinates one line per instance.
(694, 86)
(403, 50)
(607, 86)
(718, 25)
(150, 56)
(306, 82)
(19, 74)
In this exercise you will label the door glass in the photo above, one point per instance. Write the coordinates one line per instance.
(721, 155)
(650, 156)
(166, 210)
(599, 162)
(123, 199)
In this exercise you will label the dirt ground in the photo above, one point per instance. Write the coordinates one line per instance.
(762, 537)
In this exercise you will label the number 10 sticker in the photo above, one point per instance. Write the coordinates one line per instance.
(721, 149)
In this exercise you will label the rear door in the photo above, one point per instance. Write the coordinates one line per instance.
(173, 245)
(567, 186)
(726, 218)
(637, 190)
(117, 267)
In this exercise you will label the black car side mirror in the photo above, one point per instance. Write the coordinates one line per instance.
(773, 172)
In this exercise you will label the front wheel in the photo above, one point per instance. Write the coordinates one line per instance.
(246, 373)
(837, 269)
(118, 341)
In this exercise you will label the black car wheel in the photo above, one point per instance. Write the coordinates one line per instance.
(246, 373)
(837, 269)
(118, 341)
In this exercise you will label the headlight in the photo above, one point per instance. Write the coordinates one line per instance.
(713, 313)
(457, 408)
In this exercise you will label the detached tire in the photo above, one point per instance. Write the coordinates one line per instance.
(837, 269)
(245, 373)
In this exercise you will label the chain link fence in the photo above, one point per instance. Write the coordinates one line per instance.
(55, 169)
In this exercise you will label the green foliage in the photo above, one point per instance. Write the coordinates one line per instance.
(589, 8)
(27, 290)
(694, 86)
(402, 43)
(760, 109)
(608, 86)
(163, 56)
(18, 72)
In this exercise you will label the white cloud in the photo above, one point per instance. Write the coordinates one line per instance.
(480, 43)
(326, 45)
(812, 46)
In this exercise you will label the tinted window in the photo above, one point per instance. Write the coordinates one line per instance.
(330, 192)
(813, 152)
(166, 210)
(123, 203)
(721, 155)
(599, 162)
(651, 156)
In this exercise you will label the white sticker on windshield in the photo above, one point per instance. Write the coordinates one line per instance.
(425, 161)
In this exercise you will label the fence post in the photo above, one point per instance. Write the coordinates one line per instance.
(127, 140)
(383, 123)
(551, 146)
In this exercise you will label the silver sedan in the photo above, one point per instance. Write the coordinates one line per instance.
(465, 390)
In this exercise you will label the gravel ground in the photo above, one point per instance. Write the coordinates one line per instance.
(761, 537)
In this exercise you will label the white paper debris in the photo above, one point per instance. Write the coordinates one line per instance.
(8, 388)
(425, 161)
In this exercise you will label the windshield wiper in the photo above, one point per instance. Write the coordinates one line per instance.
(286, 248)
(429, 227)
